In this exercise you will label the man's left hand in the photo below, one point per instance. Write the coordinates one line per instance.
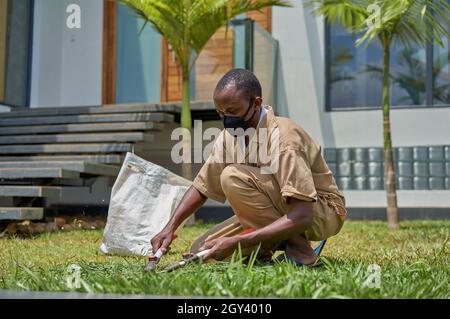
(220, 248)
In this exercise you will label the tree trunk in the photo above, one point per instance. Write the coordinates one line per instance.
(186, 122)
(389, 174)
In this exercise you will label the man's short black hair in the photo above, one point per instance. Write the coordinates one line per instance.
(244, 81)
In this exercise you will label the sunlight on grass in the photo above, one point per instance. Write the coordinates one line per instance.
(414, 264)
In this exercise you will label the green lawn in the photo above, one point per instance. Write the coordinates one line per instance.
(414, 263)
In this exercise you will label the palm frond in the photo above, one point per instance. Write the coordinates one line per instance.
(187, 25)
(412, 22)
(424, 21)
(350, 14)
(208, 16)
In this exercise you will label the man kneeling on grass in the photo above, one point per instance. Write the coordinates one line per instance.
(290, 195)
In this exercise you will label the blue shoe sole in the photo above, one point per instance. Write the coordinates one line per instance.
(317, 251)
(319, 248)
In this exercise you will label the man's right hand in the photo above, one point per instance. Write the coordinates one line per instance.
(191, 201)
(163, 240)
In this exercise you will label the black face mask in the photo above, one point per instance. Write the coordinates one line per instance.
(235, 122)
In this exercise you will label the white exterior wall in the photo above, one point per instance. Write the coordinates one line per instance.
(301, 93)
(67, 63)
(301, 96)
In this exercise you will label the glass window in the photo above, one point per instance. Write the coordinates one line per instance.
(3, 28)
(408, 75)
(354, 74)
(441, 73)
(15, 27)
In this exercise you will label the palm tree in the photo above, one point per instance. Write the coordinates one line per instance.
(412, 22)
(187, 25)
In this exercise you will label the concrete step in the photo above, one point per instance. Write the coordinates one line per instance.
(29, 191)
(76, 166)
(19, 173)
(76, 138)
(91, 158)
(92, 118)
(78, 128)
(66, 148)
(105, 109)
(21, 213)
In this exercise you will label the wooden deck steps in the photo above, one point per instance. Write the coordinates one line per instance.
(52, 151)
(75, 148)
(21, 213)
(29, 191)
(21, 173)
(82, 128)
(105, 109)
(116, 159)
(77, 166)
(76, 138)
(91, 118)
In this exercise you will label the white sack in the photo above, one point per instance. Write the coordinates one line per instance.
(143, 199)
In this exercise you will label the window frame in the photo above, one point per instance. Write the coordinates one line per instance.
(5, 58)
(29, 53)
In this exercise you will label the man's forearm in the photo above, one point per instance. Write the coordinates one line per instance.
(287, 226)
(189, 204)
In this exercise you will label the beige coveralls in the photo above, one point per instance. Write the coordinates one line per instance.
(259, 198)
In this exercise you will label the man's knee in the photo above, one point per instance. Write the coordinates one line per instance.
(232, 177)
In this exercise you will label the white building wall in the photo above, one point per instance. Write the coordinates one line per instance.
(301, 96)
(67, 63)
(301, 93)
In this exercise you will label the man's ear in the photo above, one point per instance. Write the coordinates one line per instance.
(258, 102)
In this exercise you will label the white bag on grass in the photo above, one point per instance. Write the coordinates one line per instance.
(143, 199)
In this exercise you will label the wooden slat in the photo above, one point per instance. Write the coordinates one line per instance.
(91, 118)
(174, 80)
(75, 138)
(19, 173)
(21, 213)
(29, 191)
(211, 64)
(164, 71)
(218, 54)
(263, 18)
(85, 110)
(76, 166)
(66, 148)
(73, 128)
(214, 61)
(109, 51)
(92, 158)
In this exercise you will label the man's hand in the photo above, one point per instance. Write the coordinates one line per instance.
(191, 201)
(163, 240)
(220, 248)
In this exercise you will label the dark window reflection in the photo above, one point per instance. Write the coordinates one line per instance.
(441, 73)
(355, 73)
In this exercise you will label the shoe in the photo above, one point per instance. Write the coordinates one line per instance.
(318, 250)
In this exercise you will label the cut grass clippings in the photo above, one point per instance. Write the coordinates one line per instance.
(413, 261)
